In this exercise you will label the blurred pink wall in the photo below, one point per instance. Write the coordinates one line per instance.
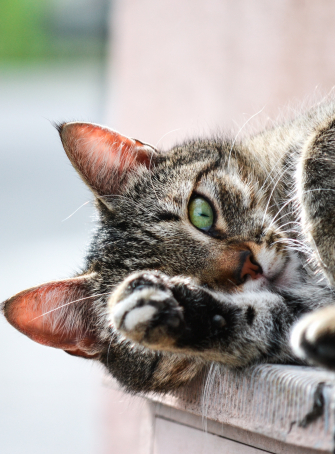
(195, 65)
(180, 67)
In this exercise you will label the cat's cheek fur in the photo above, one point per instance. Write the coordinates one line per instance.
(272, 262)
(291, 273)
(264, 331)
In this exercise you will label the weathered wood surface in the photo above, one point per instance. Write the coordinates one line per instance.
(290, 404)
(171, 437)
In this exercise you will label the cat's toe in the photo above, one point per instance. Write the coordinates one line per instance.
(313, 337)
(148, 315)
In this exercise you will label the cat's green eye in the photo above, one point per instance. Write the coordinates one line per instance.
(201, 213)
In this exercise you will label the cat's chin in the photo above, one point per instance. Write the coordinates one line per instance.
(265, 283)
(253, 285)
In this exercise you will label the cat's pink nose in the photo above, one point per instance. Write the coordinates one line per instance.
(250, 268)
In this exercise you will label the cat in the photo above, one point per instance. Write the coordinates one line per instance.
(210, 251)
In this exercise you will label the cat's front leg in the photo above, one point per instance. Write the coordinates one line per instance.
(174, 314)
(316, 194)
(313, 338)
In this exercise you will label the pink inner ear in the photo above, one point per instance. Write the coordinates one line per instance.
(103, 157)
(54, 315)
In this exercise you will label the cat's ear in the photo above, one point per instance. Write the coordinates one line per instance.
(56, 314)
(103, 157)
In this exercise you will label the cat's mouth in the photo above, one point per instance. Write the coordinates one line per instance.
(279, 271)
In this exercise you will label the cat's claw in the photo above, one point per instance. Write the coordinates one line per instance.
(144, 310)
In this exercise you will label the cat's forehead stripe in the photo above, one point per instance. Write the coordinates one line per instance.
(207, 169)
(166, 216)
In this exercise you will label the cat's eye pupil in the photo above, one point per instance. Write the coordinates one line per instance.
(201, 213)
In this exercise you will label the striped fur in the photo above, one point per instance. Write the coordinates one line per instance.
(165, 298)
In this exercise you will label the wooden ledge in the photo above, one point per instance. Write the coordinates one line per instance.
(277, 408)
(290, 404)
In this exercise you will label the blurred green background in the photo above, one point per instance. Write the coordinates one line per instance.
(35, 30)
(52, 69)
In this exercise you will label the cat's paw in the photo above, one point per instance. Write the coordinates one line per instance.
(313, 337)
(144, 310)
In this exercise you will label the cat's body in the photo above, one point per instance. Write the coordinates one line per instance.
(166, 289)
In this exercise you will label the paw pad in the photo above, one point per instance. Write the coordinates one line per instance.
(219, 321)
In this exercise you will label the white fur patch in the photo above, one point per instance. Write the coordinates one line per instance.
(275, 266)
(271, 262)
(290, 275)
(138, 316)
(254, 285)
(311, 327)
(121, 308)
(129, 305)
(297, 335)
(260, 300)
(313, 331)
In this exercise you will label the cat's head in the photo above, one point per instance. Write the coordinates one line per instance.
(202, 210)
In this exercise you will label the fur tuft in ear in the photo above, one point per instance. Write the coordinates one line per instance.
(103, 157)
(56, 314)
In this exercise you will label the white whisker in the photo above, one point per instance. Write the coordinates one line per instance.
(76, 211)
(167, 133)
(270, 196)
(240, 130)
(67, 304)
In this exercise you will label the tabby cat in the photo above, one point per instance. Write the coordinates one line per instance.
(210, 251)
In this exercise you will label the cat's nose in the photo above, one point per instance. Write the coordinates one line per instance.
(249, 267)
